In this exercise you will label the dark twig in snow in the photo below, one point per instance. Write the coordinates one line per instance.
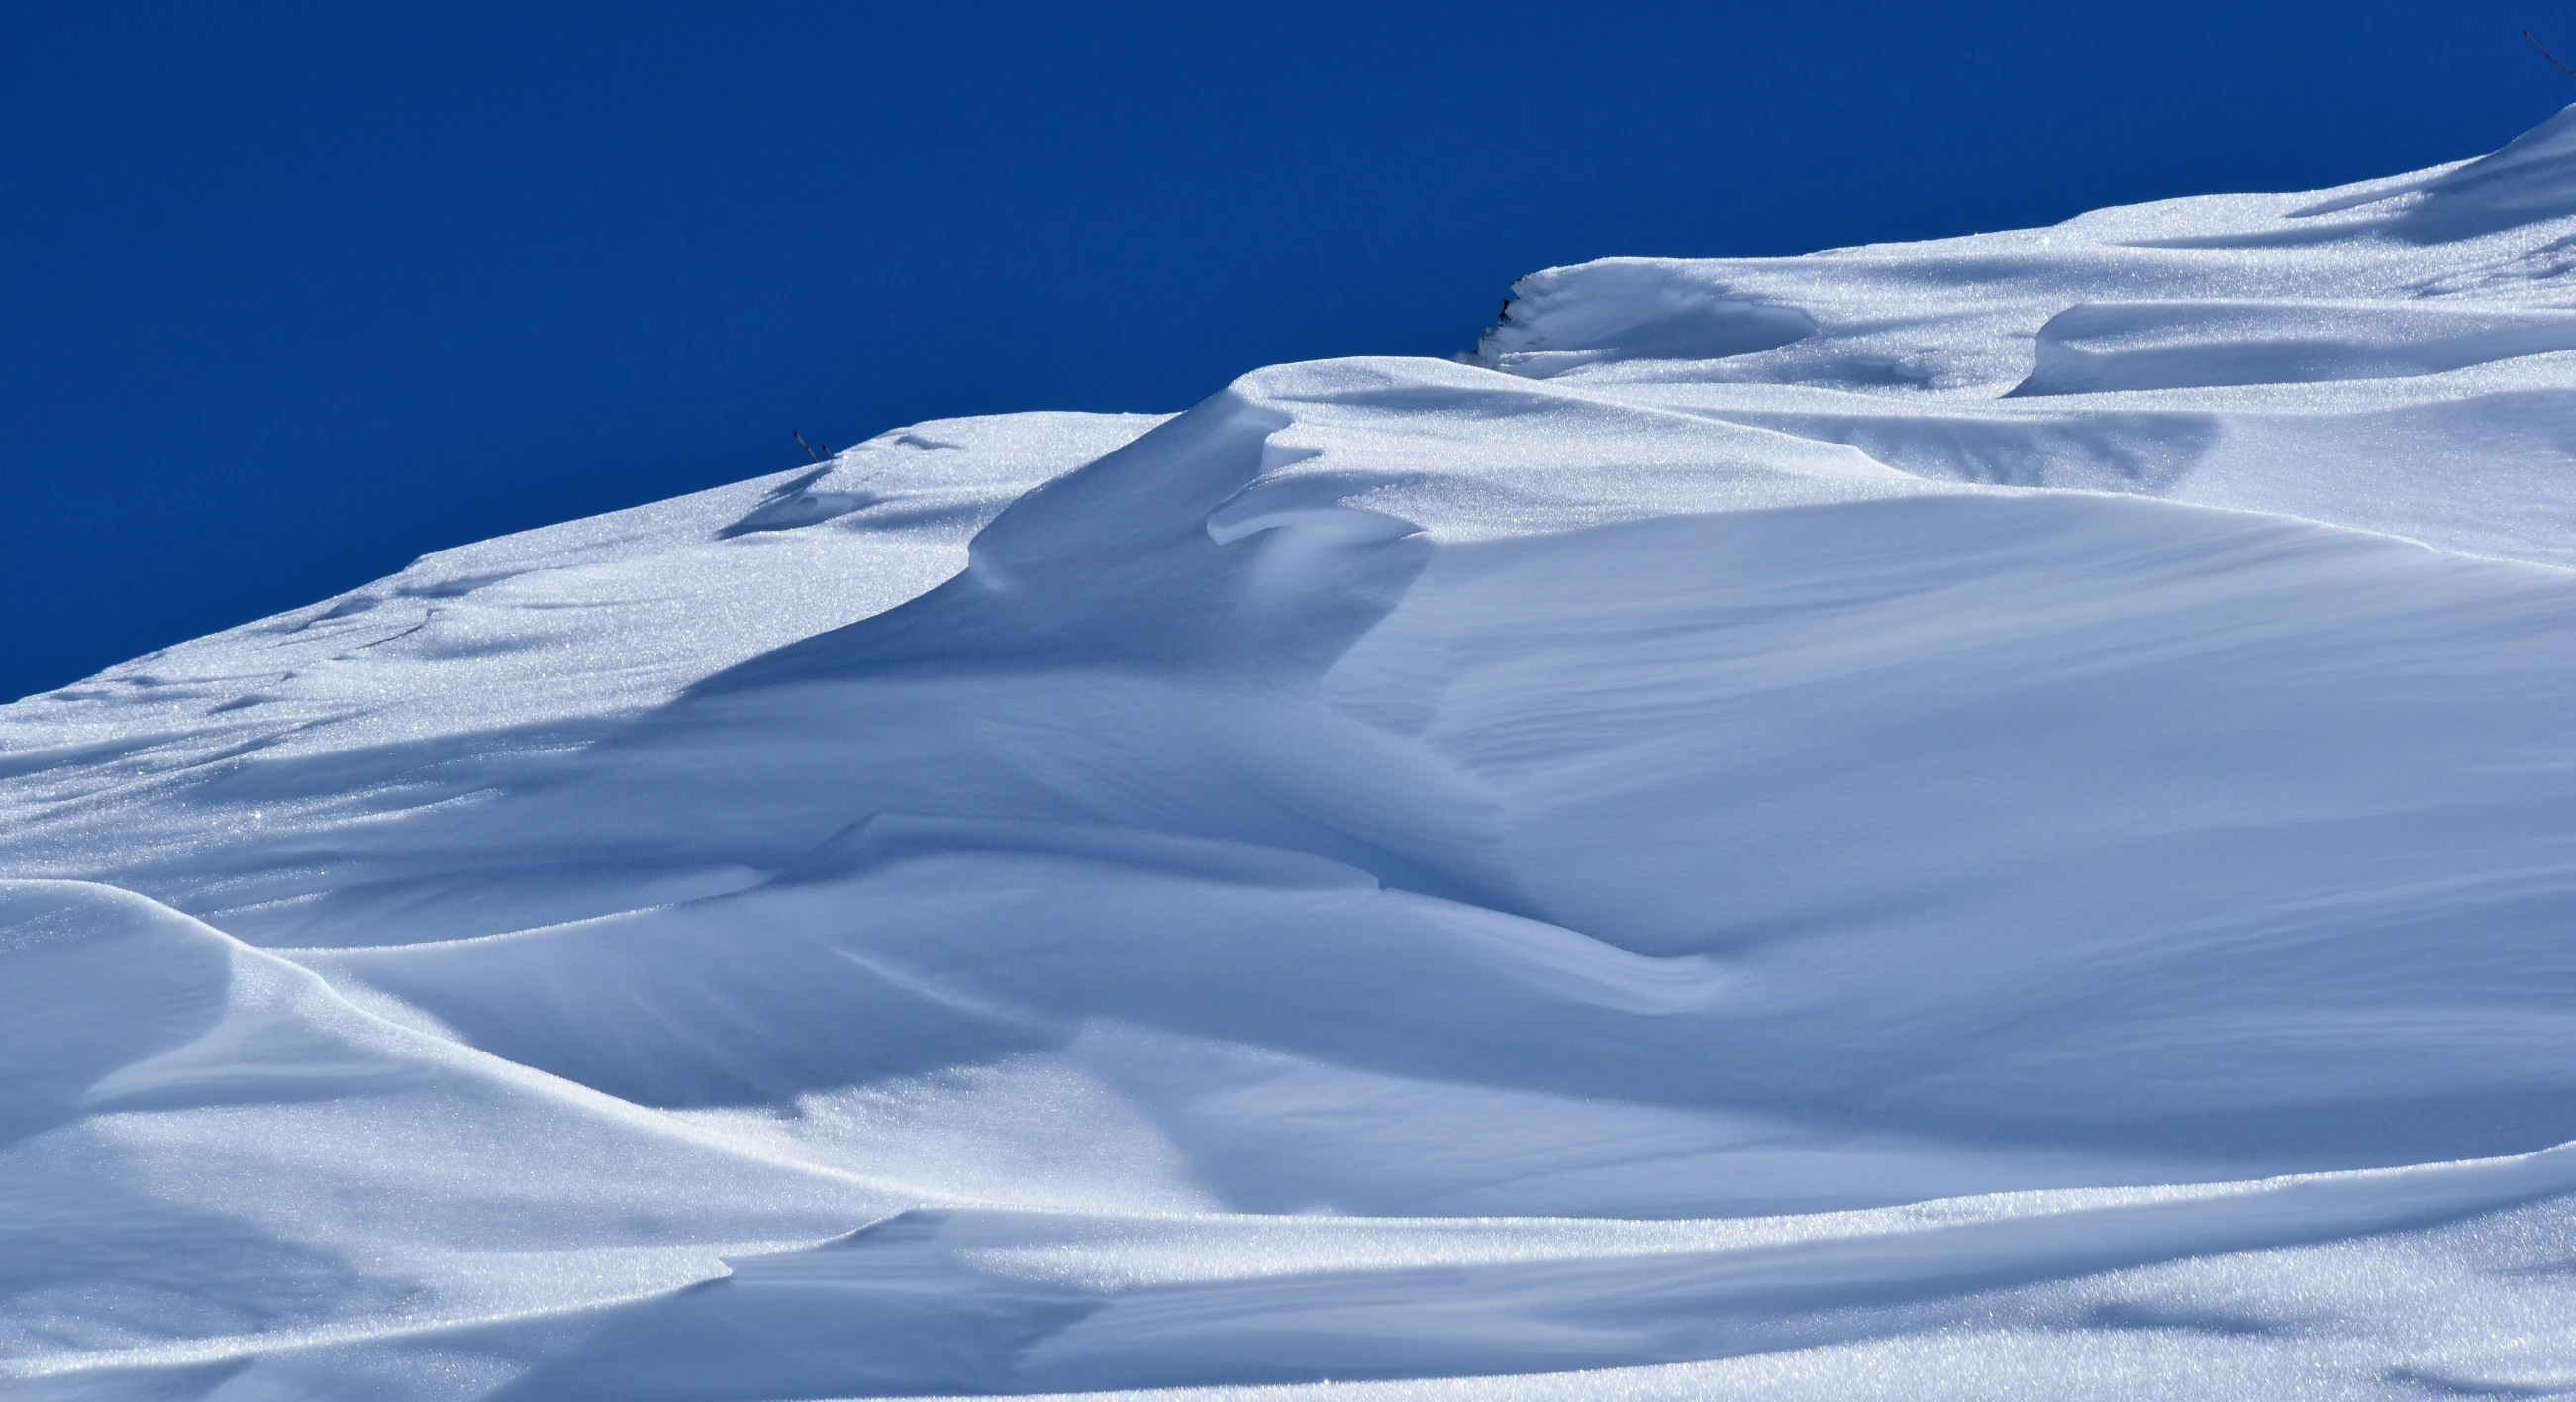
(818, 455)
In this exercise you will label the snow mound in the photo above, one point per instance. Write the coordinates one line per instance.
(2102, 346)
(1986, 818)
(1632, 309)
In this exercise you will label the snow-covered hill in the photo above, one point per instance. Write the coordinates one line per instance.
(1987, 818)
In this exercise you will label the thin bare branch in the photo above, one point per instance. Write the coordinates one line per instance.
(2545, 53)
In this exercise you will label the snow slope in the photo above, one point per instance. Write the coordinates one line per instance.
(1987, 818)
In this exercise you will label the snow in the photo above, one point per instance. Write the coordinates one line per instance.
(1987, 818)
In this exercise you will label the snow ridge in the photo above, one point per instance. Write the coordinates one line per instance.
(1983, 818)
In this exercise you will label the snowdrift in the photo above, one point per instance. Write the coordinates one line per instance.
(1987, 818)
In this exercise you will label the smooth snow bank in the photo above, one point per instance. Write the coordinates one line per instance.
(2102, 346)
(1987, 818)
(205, 1153)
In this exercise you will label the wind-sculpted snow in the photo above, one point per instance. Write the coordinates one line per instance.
(1991, 818)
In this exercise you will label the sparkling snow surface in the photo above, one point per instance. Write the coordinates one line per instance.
(1981, 819)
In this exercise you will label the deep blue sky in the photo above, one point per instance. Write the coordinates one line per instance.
(293, 293)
